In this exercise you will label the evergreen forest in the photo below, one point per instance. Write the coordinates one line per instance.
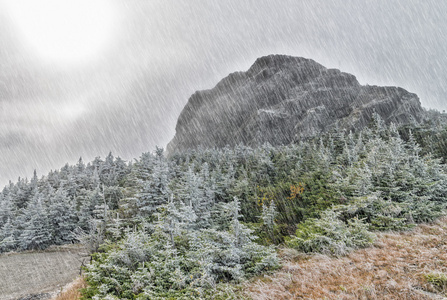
(193, 225)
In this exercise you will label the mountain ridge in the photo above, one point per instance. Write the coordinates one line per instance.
(282, 99)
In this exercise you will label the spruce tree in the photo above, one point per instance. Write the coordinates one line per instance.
(8, 241)
(63, 218)
(37, 232)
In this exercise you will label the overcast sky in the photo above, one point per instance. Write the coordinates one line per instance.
(127, 97)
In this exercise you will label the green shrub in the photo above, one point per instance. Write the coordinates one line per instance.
(386, 215)
(330, 235)
(437, 279)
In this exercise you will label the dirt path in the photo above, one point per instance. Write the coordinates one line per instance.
(22, 274)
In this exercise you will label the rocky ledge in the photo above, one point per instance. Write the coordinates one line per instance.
(282, 99)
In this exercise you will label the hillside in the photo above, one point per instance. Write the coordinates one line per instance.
(185, 226)
(406, 265)
(283, 99)
(199, 223)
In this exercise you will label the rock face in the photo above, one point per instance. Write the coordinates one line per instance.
(283, 99)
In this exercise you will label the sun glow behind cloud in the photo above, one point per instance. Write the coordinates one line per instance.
(63, 31)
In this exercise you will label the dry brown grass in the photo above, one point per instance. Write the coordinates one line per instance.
(395, 268)
(71, 292)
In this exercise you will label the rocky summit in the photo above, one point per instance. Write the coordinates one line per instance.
(282, 99)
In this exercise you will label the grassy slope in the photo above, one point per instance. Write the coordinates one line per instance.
(71, 292)
(395, 268)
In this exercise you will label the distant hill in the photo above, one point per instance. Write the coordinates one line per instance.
(282, 99)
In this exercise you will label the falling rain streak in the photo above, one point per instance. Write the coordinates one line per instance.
(128, 94)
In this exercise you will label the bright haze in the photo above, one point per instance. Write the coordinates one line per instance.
(80, 78)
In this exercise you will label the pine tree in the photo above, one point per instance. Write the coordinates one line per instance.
(193, 193)
(269, 214)
(63, 218)
(154, 189)
(36, 233)
(87, 206)
(8, 241)
(6, 211)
